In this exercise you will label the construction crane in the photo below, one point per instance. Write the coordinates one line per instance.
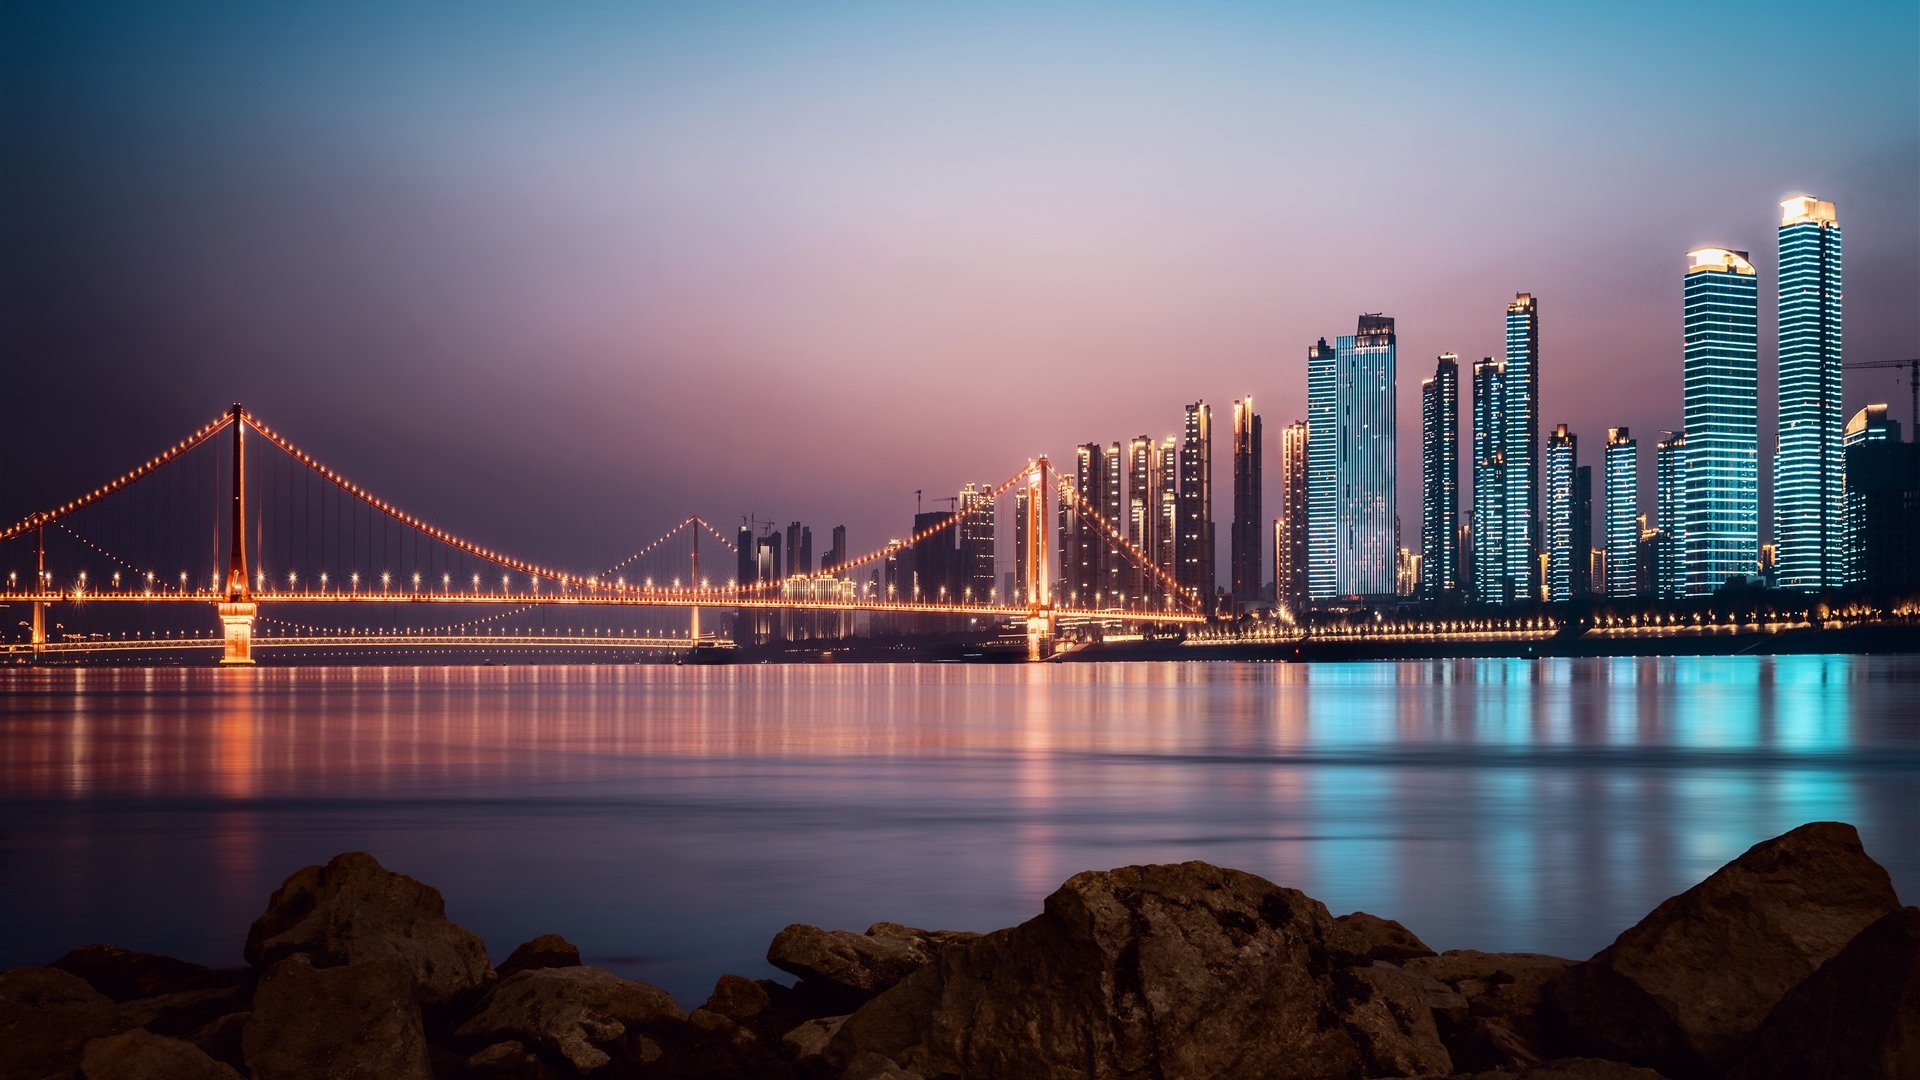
(1912, 366)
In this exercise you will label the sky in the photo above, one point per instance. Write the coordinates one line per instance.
(557, 276)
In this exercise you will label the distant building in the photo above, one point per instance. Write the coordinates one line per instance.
(1196, 548)
(1722, 515)
(1522, 428)
(836, 555)
(1290, 528)
(1440, 479)
(1351, 548)
(1670, 494)
(1563, 452)
(1166, 539)
(1623, 513)
(1249, 522)
(1323, 477)
(1808, 470)
(799, 549)
(1143, 510)
(1082, 548)
(1406, 573)
(1583, 583)
(746, 569)
(1882, 504)
(976, 542)
(1020, 588)
(1492, 581)
(930, 572)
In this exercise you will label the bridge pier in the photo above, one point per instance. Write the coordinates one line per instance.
(39, 627)
(236, 620)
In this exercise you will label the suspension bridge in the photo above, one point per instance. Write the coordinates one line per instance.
(271, 527)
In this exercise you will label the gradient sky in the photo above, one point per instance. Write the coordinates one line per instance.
(558, 276)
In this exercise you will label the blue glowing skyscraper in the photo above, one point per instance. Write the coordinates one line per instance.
(1623, 513)
(1322, 473)
(1563, 452)
(1366, 541)
(1523, 446)
(1809, 467)
(1440, 479)
(1492, 583)
(1722, 515)
(1670, 493)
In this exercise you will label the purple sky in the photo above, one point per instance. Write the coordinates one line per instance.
(559, 279)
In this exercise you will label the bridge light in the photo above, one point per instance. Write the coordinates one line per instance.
(323, 581)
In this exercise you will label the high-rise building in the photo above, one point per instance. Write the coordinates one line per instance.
(1323, 477)
(766, 552)
(1583, 530)
(1492, 581)
(1196, 505)
(1563, 461)
(1440, 479)
(1021, 500)
(1249, 522)
(1722, 516)
(1882, 504)
(1290, 528)
(1166, 539)
(1365, 545)
(1113, 508)
(1522, 427)
(1143, 501)
(1808, 470)
(931, 572)
(1670, 495)
(747, 564)
(976, 542)
(794, 565)
(837, 554)
(1082, 546)
(1623, 513)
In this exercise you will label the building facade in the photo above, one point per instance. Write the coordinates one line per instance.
(1722, 515)
(1491, 581)
(976, 543)
(1882, 503)
(1248, 568)
(1623, 513)
(1366, 543)
(1808, 466)
(1196, 547)
(1290, 528)
(1522, 466)
(1323, 480)
(1583, 530)
(1670, 507)
(1440, 479)
(1562, 461)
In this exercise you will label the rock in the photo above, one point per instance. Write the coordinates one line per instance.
(587, 1017)
(1187, 970)
(1377, 939)
(1500, 1026)
(1568, 1069)
(858, 966)
(356, 1020)
(806, 1045)
(870, 1066)
(716, 1047)
(124, 975)
(765, 1007)
(545, 951)
(46, 1018)
(176, 1015)
(1856, 1017)
(507, 1061)
(221, 1039)
(353, 910)
(1685, 987)
(1399, 1037)
(142, 1055)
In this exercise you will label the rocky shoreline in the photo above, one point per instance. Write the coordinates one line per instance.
(1794, 960)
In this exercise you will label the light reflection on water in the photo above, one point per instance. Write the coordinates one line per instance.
(671, 820)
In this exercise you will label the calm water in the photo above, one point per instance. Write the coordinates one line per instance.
(671, 820)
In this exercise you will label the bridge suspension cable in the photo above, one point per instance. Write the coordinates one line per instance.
(48, 517)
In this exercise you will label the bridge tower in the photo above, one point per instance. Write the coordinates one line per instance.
(40, 586)
(237, 610)
(1040, 616)
(694, 630)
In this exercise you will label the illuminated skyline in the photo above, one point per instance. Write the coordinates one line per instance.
(471, 252)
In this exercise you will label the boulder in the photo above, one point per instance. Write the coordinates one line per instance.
(142, 1055)
(1489, 1005)
(806, 1045)
(1187, 970)
(857, 966)
(353, 910)
(179, 1014)
(585, 1017)
(46, 1018)
(1399, 1037)
(356, 1020)
(1377, 939)
(545, 951)
(1567, 1069)
(222, 1039)
(1858, 1017)
(1686, 986)
(124, 975)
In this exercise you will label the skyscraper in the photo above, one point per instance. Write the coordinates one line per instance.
(1492, 583)
(1563, 459)
(1808, 469)
(1440, 478)
(1021, 587)
(1196, 505)
(1722, 516)
(1323, 479)
(1113, 508)
(1248, 568)
(837, 554)
(976, 542)
(1082, 547)
(1290, 528)
(1166, 539)
(1623, 513)
(1882, 504)
(1365, 544)
(1522, 427)
(1143, 501)
(1670, 495)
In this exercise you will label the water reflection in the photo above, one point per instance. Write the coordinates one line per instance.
(671, 819)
